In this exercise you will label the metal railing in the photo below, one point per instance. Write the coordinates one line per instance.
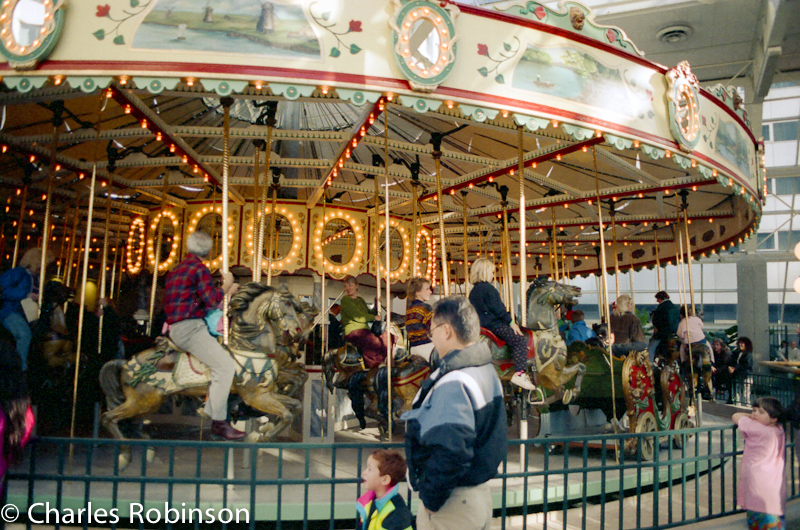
(543, 483)
(744, 391)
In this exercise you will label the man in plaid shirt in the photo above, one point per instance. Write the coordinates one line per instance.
(190, 292)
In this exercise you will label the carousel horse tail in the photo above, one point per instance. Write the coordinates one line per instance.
(111, 383)
(382, 391)
(355, 391)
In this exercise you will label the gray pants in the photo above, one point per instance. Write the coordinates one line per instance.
(192, 335)
(466, 509)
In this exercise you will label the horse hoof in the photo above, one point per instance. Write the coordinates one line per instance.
(252, 437)
(123, 460)
(150, 455)
(567, 396)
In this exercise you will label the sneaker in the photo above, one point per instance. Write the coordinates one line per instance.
(226, 430)
(523, 381)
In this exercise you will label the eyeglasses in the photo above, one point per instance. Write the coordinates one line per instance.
(430, 331)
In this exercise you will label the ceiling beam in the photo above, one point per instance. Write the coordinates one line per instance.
(131, 103)
(357, 133)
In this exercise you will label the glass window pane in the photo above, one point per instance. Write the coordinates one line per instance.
(766, 241)
(765, 132)
(786, 186)
(785, 130)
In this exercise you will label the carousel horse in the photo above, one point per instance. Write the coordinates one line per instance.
(51, 337)
(546, 347)
(139, 386)
(344, 368)
(248, 333)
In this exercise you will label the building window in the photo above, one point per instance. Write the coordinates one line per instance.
(785, 130)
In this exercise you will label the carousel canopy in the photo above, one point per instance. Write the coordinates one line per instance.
(457, 112)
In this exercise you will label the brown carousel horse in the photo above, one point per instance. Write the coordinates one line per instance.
(546, 349)
(367, 389)
(139, 386)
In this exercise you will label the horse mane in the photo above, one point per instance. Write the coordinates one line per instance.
(246, 294)
(537, 283)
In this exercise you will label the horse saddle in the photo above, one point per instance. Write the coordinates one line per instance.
(352, 358)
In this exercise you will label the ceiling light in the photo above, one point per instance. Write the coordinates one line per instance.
(675, 33)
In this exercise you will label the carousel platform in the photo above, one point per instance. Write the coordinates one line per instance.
(320, 482)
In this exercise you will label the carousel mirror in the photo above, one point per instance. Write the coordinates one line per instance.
(167, 238)
(424, 43)
(27, 21)
(211, 223)
(282, 239)
(395, 249)
(338, 242)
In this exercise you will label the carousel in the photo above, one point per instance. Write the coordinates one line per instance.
(383, 140)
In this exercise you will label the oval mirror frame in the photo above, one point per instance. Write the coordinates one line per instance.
(424, 39)
(24, 56)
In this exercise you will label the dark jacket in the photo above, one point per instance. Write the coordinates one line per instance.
(387, 513)
(456, 429)
(666, 318)
(487, 302)
(16, 285)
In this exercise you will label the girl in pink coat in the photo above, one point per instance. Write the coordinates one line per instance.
(762, 477)
(16, 416)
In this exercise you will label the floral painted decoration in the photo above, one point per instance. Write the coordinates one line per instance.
(509, 51)
(136, 7)
(354, 26)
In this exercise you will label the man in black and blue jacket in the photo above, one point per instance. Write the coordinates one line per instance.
(456, 430)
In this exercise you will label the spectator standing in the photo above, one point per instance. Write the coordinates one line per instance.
(456, 429)
(418, 317)
(723, 359)
(16, 416)
(382, 507)
(762, 476)
(740, 369)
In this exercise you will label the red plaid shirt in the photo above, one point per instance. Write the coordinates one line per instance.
(190, 291)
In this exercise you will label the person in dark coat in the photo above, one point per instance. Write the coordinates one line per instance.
(665, 318)
(739, 371)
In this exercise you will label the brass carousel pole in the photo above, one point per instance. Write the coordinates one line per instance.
(605, 290)
(72, 242)
(658, 263)
(389, 360)
(157, 254)
(117, 247)
(376, 243)
(685, 207)
(554, 245)
(58, 110)
(630, 271)
(226, 155)
(613, 214)
(271, 122)
(256, 210)
(102, 271)
(466, 251)
(414, 184)
(678, 236)
(85, 272)
(437, 157)
(19, 225)
(63, 243)
(273, 214)
(507, 257)
(523, 234)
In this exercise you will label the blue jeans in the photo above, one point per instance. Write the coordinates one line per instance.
(652, 347)
(19, 328)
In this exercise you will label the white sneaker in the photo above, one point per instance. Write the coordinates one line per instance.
(523, 381)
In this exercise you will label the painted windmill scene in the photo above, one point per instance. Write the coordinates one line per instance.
(235, 26)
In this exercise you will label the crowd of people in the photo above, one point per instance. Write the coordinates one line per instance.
(456, 428)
